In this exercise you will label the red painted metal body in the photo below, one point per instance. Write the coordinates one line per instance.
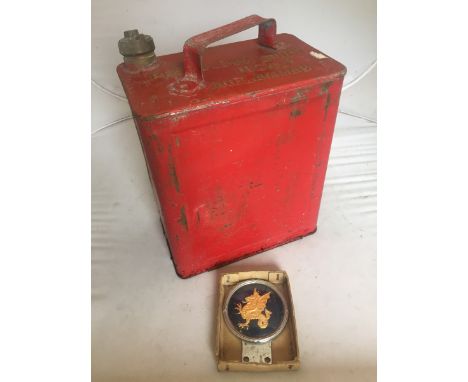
(236, 139)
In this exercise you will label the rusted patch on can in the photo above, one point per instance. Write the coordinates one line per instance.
(172, 170)
(324, 88)
(183, 219)
(159, 145)
(173, 175)
(253, 184)
(217, 206)
(177, 117)
(300, 96)
(295, 113)
(327, 104)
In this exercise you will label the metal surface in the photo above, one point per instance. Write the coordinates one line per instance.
(256, 352)
(236, 139)
(194, 47)
(137, 49)
(135, 43)
(259, 338)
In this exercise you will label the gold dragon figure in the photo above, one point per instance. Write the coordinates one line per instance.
(254, 309)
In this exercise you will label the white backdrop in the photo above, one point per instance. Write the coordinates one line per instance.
(150, 325)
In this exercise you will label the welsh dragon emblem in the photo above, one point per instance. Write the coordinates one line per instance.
(254, 309)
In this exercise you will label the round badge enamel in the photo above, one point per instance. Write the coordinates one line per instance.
(255, 311)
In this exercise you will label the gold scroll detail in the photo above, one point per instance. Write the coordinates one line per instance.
(254, 309)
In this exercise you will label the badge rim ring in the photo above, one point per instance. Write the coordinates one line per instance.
(244, 337)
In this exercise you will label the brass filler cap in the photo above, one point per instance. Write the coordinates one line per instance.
(134, 44)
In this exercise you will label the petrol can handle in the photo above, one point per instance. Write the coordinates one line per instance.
(194, 46)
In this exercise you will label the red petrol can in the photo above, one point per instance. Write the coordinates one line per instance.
(236, 138)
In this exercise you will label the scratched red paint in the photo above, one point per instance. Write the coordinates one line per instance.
(236, 139)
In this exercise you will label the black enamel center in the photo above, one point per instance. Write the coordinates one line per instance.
(256, 311)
